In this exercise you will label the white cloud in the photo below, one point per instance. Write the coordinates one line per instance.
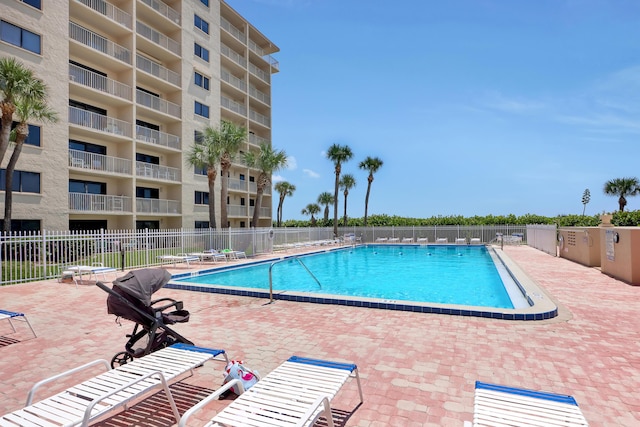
(310, 173)
(292, 163)
(276, 178)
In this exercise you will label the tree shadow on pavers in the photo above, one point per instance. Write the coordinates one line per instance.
(340, 417)
(5, 341)
(155, 410)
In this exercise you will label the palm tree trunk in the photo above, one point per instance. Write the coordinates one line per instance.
(212, 200)
(8, 193)
(7, 111)
(335, 202)
(224, 191)
(256, 207)
(326, 214)
(346, 193)
(366, 202)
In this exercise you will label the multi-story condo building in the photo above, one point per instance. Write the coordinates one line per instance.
(134, 82)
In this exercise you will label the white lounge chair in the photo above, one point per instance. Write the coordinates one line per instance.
(177, 258)
(231, 254)
(210, 255)
(475, 241)
(423, 240)
(394, 239)
(497, 405)
(407, 240)
(296, 393)
(95, 398)
(10, 316)
(76, 272)
(442, 240)
(461, 241)
(381, 239)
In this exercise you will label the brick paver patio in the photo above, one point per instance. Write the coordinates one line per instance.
(417, 369)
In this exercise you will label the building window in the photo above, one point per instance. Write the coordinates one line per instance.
(201, 198)
(87, 147)
(201, 23)
(198, 137)
(87, 187)
(205, 2)
(201, 80)
(242, 224)
(20, 37)
(151, 225)
(34, 137)
(202, 224)
(33, 3)
(23, 182)
(23, 224)
(201, 109)
(242, 201)
(241, 177)
(252, 202)
(252, 179)
(146, 158)
(147, 193)
(201, 52)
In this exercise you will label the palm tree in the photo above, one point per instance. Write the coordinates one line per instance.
(371, 164)
(28, 106)
(286, 190)
(311, 209)
(347, 182)
(206, 154)
(622, 187)
(338, 154)
(268, 161)
(232, 137)
(325, 198)
(16, 80)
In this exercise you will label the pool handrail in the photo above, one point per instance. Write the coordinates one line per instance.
(285, 259)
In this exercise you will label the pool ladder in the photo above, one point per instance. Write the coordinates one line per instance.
(286, 259)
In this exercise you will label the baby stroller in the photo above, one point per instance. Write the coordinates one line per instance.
(130, 298)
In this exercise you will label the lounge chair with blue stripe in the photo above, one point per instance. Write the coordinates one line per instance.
(497, 405)
(296, 393)
(125, 385)
(14, 315)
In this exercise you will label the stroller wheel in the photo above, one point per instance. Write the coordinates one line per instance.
(120, 359)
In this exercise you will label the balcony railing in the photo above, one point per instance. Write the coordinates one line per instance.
(257, 140)
(98, 203)
(260, 118)
(233, 106)
(157, 70)
(261, 96)
(99, 122)
(233, 80)
(99, 82)
(264, 212)
(110, 11)
(236, 210)
(157, 103)
(233, 55)
(164, 10)
(159, 138)
(99, 162)
(158, 38)
(157, 206)
(149, 170)
(99, 43)
(263, 75)
(231, 29)
(237, 184)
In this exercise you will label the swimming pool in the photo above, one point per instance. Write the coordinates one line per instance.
(531, 302)
(463, 275)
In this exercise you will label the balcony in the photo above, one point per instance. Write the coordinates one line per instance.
(259, 118)
(264, 212)
(260, 96)
(98, 44)
(157, 70)
(158, 104)
(98, 203)
(233, 55)
(257, 140)
(235, 32)
(233, 106)
(115, 14)
(154, 137)
(92, 163)
(233, 80)
(237, 184)
(273, 63)
(98, 122)
(155, 172)
(164, 10)
(157, 206)
(158, 39)
(237, 210)
(95, 81)
(261, 74)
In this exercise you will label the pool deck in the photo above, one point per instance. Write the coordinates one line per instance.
(417, 369)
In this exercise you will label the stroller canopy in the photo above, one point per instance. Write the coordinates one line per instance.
(141, 284)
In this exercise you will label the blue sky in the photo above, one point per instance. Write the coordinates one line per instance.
(476, 107)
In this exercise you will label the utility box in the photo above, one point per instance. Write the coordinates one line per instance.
(580, 244)
(620, 253)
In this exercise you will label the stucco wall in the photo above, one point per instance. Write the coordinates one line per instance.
(620, 253)
(580, 244)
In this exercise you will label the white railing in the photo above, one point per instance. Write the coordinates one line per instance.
(99, 43)
(236, 210)
(260, 96)
(110, 11)
(273, 62)
(99, 162)
(253, 46)
(158, 38)
(544, 238)
(157, 70)
(233, 55)
(233, 80)
(99, 82)
(157, 206)
(164, 10)
(99, 122)
(158, 138)
(157, 103)
(260, 118)
(233, 30)
(233, 105)
(149, 170)
(263, 75)
(237, 184)
(98, 203)
(257, 140)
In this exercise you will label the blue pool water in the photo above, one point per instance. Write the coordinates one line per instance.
(462, 275)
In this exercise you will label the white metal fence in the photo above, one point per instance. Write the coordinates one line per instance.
(544, 238)
(38, 255)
